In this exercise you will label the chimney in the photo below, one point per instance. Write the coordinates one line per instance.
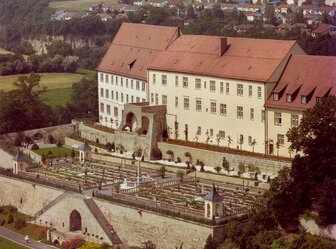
(222, 45)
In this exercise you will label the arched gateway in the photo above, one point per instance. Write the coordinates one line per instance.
(75, 223)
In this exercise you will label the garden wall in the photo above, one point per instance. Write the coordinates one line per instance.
(93, 134)
(311, 227)
(214, 158)
(6, 160)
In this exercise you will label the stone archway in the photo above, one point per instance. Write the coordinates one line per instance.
(131, 121)
(75, 223)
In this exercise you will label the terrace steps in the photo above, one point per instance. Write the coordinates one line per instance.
(106, 226)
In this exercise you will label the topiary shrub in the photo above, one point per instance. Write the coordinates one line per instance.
(178, 159)
(35, 147)
(108, 146)
(59, 144)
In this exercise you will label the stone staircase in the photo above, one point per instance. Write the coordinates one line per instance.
(50, 204)
(106, 226)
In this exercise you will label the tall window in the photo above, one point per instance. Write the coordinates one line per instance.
(101, 92)
(156, 99)
(164, 80)
(186, 103)
(106, 78)
(281, 139)
(117, 96)
(252, 114)
(176, 81)
(275, 96)
(116, 80)
(101, 107)
(137, 85)
(211, 133)
(227, 88)
(289, 98)
(185, 82)
(250, 91)
(303, 99)
(143, 86)
(222, 109)
(259, 92)
(240, 91)
(126, 83)
(198, 105)
(132, 86)
(121, 82)
(122, 97)
(107, 93)
(249, 139)
(198, 84)
(101, 77)
(176, 102)
(295, 120)
(221, 134)
(115, 111)
(112, 95)
(164, 99)
(112, 79)
(213, 107)
(277, 118)
(154, 79)
(132, 98)
(108, 109)
(152, 98)
(240, 112)
(199, 130)
(127, 99)
(212, 86)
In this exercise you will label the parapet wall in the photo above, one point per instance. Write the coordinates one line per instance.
(133, 226)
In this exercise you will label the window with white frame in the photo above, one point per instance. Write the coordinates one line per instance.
(106, 78)
(121, 82)
(176, 81)
(143, 86)
(198, 105)
(289, 98)
(116, 80)
(222, 109)
(115, 111)
(186, 103)
(176, 102)
(152, 98)
(221, 134)
(122, 97)
(213, 107)
(277, 118)
(132, 86)
(252, 113)
(240, 112)
(117, 96)
(240, 90)
(164, 80)
(101, 107)
(227, 87)
(156, 99)
(164, 99)
(108, 109)
(112, 95)
(250, 91)
(295, 120)
(138, 99)
(259, 92)
(211, 133)
(249, 139)
(221, 88)
(137, 85)
(281, 139)
(276, 96)
(107, 93)
(303, 99)
(199, 130)
(101, 77)
(112, 79)
(212, 86)
(154, 78)
(132, 99)
(185, 82)
(101, 92)
(126, 83)
(127, 99)
(198, 84)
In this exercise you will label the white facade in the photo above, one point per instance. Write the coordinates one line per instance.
(114, 91)
(212, 108)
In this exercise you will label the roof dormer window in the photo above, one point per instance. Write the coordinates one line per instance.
(276, 96)
(289, 98)
(303, 99)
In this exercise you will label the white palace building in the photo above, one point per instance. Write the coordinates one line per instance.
(239, 92)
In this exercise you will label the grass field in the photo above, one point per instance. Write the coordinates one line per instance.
(76, 5)
(58, 85)
(57, 151)
(7, 244)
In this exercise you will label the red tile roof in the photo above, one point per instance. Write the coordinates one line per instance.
(134, 48)
(249, 59)
(312, 76)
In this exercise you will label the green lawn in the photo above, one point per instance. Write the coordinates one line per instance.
(8, 244)
(76, 5)
(57, 151)
(56, 97)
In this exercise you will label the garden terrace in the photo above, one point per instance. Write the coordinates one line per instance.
(211, 147)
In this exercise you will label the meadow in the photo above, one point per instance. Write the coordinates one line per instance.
(76, 5)
(58, 85)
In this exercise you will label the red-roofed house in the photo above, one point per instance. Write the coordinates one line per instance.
(122, 73)
(286, 8)
(219, 79)
(305, 80)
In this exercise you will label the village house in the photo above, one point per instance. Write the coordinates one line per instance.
(114, 7)
(253, 16)
(286, 8)
(104, 16)
(157, 3)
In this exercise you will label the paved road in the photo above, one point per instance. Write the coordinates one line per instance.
(8, 234)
